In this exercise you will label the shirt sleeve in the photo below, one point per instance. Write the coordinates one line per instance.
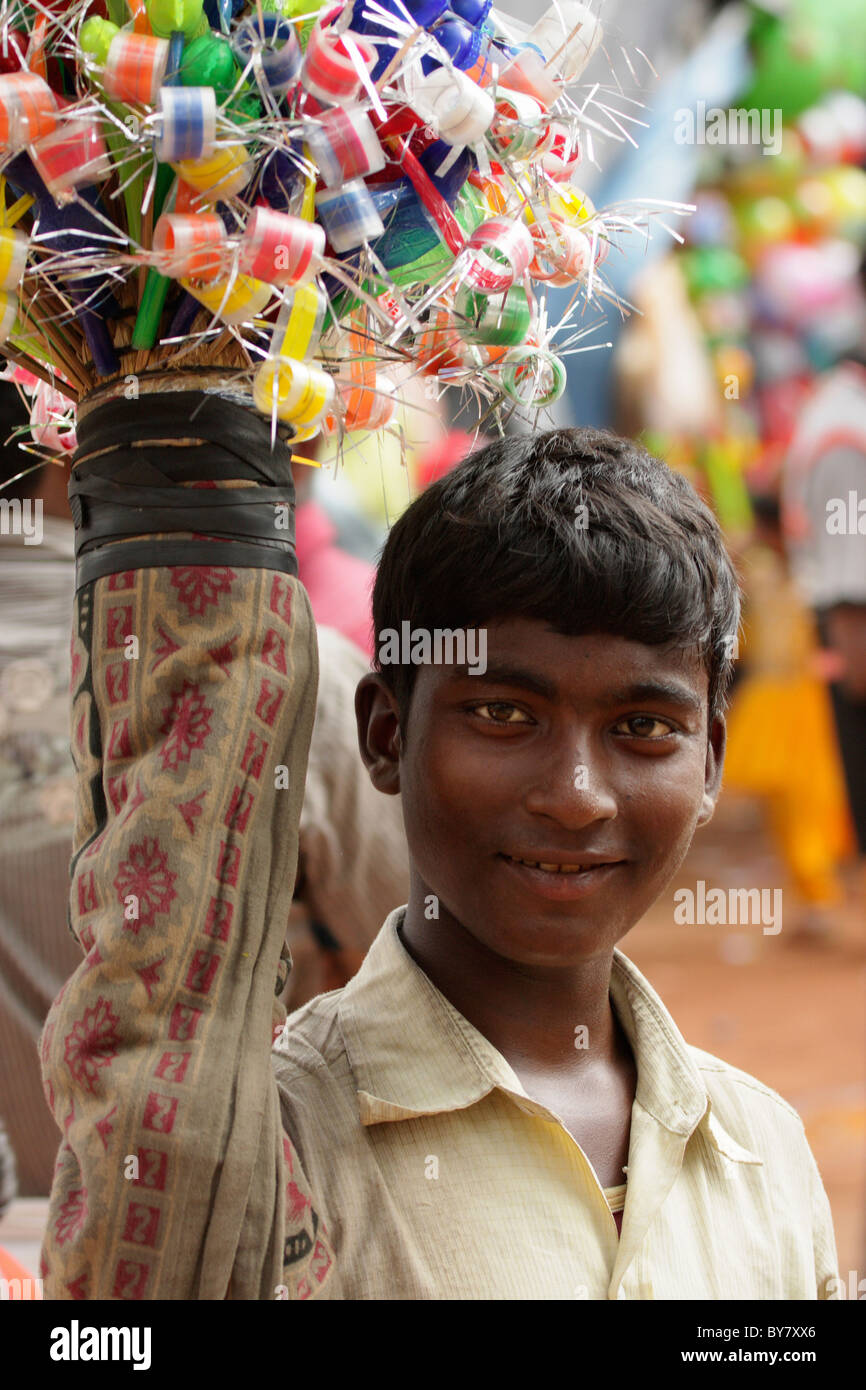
(193, 697)
(827, 1279)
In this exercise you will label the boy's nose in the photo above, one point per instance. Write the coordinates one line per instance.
(573, 789)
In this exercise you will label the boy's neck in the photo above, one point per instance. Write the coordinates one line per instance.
(534, 1016)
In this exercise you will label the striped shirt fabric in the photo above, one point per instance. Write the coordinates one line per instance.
(438, 1177)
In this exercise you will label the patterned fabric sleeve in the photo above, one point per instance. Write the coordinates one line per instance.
(193, 696)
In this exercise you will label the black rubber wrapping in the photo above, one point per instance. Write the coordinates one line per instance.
(239, 429)
(146, 554)
(131, 491)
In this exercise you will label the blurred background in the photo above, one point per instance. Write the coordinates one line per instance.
(737, 355)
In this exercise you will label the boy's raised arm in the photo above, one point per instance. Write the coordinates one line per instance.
(193, 696)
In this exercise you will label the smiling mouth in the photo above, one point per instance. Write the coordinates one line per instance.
(575, 868)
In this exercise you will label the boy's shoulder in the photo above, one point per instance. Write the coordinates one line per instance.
(722, 1074)
(752, 1112)
(311, 1038)
(746, 1107)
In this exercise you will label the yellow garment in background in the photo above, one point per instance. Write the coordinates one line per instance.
(781, 738)
(782, 746)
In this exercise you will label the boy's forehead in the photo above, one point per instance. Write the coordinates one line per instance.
(570, 663)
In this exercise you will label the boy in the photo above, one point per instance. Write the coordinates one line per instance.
(461, 1119)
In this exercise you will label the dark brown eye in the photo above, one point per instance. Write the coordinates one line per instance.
(501, 712)
(645, 726)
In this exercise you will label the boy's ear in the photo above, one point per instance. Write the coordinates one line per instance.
(379, 736)
(714, 768)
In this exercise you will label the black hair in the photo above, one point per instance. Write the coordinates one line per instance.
(578, 528)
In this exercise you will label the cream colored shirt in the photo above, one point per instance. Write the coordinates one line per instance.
(438, 1177)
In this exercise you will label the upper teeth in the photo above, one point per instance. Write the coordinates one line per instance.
(555, 868)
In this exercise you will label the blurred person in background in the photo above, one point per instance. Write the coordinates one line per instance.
(824, 497)
(36, 788)
(338, 582)
(353, 862)
(782, 744)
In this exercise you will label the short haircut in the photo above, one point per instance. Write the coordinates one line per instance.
(577, 528)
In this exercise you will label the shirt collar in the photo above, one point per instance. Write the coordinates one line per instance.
(412, 1053)
(410, 1050)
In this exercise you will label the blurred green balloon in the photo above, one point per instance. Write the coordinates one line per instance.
(711, 269)
(817, 46)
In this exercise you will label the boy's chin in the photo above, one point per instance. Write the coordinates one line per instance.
(553, 944)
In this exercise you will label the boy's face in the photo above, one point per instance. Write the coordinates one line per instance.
(590, 754)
